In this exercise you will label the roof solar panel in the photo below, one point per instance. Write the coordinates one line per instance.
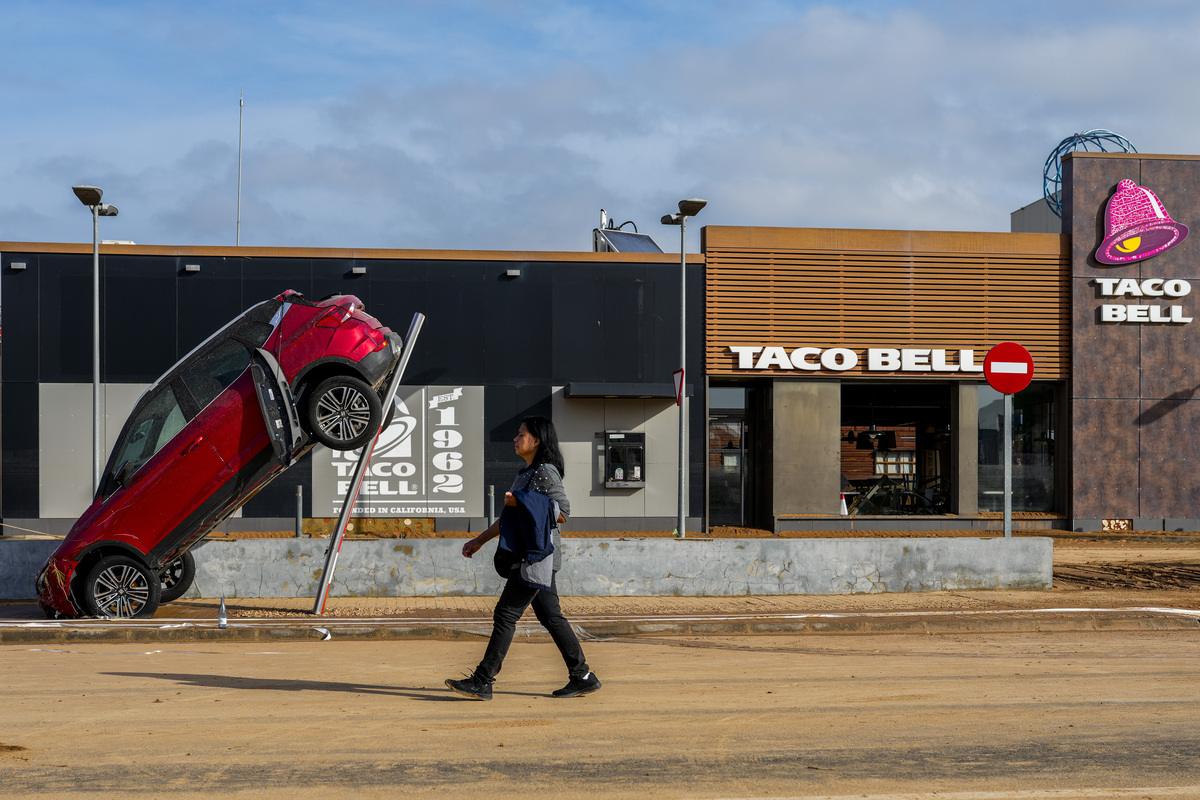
(625, 242)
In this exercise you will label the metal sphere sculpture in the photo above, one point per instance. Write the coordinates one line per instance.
(1096, 139)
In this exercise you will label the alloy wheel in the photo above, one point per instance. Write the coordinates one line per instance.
(121, 590)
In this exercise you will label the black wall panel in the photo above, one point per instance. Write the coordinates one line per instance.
(205, 300)
(264, 278)
(399, 290)
(65, 318)
(452, 345)
(20, 452)
(625, 339)
(20, 293)
(578, 325)
(336, 276)
(137, 334)
(519, 333)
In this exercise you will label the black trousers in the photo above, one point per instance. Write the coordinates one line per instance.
(513, 601)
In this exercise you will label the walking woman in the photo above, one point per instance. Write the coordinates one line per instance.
(537, 443)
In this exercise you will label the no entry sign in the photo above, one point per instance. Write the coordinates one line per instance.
(1008, 368)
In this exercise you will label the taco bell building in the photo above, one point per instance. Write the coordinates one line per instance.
(831, 365)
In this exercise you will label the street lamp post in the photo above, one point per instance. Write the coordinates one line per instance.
(687, 208)
(90, 197)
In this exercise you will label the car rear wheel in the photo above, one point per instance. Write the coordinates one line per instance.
(119, 586)
(177, 578)
(343, 412)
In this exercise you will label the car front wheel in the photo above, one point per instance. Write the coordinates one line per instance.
(343, 412)
(119, 586)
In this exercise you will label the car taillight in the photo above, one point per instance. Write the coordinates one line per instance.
(334, 317)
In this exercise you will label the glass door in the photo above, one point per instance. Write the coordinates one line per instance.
(727, 455)
(726, 470)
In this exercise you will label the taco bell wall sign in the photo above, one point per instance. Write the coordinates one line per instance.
(1138, 226)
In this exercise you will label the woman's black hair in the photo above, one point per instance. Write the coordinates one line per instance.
(548, 452)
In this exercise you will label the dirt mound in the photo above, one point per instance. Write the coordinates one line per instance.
(1128, 575)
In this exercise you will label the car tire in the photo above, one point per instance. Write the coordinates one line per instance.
(177, 578)
(343, 412)
(387, 420)
(120, 586)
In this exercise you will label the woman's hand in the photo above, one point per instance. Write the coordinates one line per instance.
(472, 547)
(509, 500)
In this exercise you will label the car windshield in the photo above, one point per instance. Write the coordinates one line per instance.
(153, 427)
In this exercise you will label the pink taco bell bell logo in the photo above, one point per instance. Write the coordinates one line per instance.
(1138, 226)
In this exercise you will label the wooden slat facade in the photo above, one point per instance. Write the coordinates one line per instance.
(858, 289)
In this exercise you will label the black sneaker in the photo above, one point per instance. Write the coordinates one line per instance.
(473, 687)
(586, 684)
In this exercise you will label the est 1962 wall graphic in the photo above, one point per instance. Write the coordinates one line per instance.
(428, 462)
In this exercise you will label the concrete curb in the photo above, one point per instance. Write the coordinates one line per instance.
(79, 632)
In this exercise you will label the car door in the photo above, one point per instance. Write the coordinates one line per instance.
(221, 385)
(278, 406)
(247, 412)
(168, 468)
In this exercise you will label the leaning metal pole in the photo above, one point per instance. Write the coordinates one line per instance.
(96, 444)
(360, 471)
(682, 531)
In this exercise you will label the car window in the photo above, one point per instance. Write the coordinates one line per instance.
(256, 333)
(215, 370)
(153, 427)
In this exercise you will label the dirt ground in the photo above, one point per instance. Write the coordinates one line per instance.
(1081, 564)
(966, 717)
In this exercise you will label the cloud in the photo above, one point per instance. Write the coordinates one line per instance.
(442, 125)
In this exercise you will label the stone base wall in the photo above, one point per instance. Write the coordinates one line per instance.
(597, 567)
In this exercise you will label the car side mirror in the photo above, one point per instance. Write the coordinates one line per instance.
(124, 474)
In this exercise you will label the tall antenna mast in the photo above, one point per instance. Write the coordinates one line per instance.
(241, 113)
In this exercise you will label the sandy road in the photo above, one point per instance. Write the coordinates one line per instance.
(978, 715)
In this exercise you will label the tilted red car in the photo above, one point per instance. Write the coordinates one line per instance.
(222, 423)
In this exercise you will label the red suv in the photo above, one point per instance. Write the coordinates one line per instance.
(205, 437)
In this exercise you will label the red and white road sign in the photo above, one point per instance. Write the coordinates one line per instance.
(678, 376)
(1008, 368)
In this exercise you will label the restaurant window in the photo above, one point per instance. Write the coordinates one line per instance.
(895, 448)
(896, 462)
(1033, 435)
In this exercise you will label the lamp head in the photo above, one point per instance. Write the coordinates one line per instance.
(691, 207)
(672, 219)
(88, 195)
(106, 210)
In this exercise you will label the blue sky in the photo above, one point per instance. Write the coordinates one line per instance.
(464, 125)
